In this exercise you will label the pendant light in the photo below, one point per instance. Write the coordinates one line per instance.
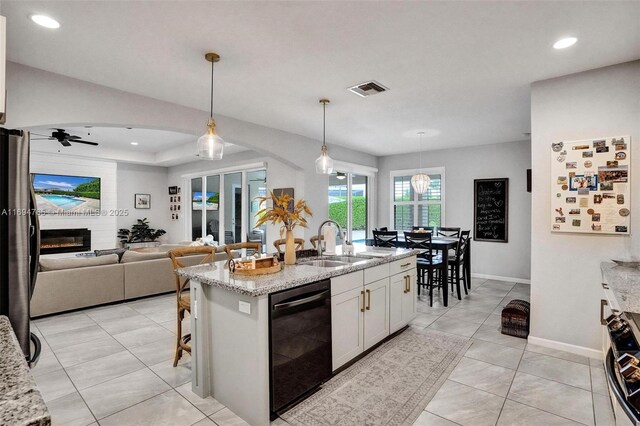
(210, 145)
(324, 163)
(341, 176)
(420, 181)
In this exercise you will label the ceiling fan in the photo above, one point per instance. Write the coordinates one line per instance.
(63, 137)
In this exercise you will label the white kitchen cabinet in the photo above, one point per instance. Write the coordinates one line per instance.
(402, 306)
(347, 330)
(367, 306)
(376, 313)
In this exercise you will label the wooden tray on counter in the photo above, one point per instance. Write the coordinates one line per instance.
(262, 266)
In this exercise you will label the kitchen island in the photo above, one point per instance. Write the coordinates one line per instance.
(372, 296)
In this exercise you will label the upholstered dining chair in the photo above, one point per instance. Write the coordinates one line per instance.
(385, 238)
(298, 242)
(183, 301)
(250, 247)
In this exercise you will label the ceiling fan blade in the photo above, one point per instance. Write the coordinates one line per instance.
(38, 134)
(74, 137)
(84, 142)
(42, 139)
(65, 142)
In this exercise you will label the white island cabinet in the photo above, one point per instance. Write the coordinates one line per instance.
(366, 308)
(230, 317)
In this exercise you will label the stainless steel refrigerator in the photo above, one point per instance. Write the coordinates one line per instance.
(19, 237)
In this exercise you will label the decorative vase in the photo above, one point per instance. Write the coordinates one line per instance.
(289, 250)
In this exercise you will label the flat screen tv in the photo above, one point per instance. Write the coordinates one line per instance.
(67, 195)
(212, 200)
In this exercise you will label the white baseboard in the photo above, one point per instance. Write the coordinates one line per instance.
(499, 278)
(554, 344)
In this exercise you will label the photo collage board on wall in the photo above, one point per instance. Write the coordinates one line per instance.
(175, 202)
(591, 185)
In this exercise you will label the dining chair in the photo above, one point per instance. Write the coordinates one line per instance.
(183, 301)
(449, 232)
(427, 264)
(385, 238)
(251, 248)
(457, 262)
(382, 228)
(298, 242)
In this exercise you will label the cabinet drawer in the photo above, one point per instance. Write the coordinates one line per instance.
(347, 282)
(376, 273)
(402, 265)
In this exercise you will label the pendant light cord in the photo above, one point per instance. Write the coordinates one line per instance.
(420, 151)
(324, 123)
(212, 81)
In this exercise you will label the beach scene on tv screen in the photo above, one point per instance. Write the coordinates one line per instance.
(212, 200)
(59, 194)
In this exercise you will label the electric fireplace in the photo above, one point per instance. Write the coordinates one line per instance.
(64, 240)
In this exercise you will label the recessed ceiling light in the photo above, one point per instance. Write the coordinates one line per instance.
(45, 21)
(563, 43)
(134, 143)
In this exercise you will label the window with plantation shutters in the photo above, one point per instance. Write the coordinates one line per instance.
(410, 209)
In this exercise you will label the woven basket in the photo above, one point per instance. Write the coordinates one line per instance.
(515, 318)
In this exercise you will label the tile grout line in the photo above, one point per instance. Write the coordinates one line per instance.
(68, 377)
(510, 385)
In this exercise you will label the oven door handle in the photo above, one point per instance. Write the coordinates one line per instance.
(299, 302)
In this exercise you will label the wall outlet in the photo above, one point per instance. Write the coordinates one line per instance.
(244, 307)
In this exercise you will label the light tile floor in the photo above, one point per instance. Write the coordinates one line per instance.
(502, 380)
(113, 366)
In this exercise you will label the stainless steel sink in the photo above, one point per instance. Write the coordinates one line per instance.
(348, 259)
(324, 263)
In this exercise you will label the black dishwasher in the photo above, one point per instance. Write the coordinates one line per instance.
(300, 342)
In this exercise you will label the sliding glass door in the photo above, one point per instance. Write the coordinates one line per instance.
(348, 204)
(256, 187)
(222, 206)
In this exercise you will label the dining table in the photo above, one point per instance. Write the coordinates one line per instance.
(442, 244)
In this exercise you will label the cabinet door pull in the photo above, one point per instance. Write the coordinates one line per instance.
(404, 265)
(603, 303)
(408, 283)
(605, 286)
(368, 299)
(362, 294)
(405, 284)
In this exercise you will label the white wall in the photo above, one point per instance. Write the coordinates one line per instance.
(138, 179)
(103, 227)
(40, 98)
(462, 166)
(565, 268)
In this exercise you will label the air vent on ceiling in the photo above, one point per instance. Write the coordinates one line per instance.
(368, 88)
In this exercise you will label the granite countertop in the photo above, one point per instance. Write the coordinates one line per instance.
(625, 284)
(20, 400)
(218, 275)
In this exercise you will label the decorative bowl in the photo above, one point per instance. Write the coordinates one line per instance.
(630, 262)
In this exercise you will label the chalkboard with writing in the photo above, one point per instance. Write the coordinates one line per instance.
(491, 209)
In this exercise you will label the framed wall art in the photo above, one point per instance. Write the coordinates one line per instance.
(142, 201)
(591, 186)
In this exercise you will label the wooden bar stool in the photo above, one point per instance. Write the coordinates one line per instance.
(299, 244)
(314, 240)
(183, 301)
(254, 247)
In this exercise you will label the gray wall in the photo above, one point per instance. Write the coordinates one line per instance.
(462, 166)
(565, 271)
